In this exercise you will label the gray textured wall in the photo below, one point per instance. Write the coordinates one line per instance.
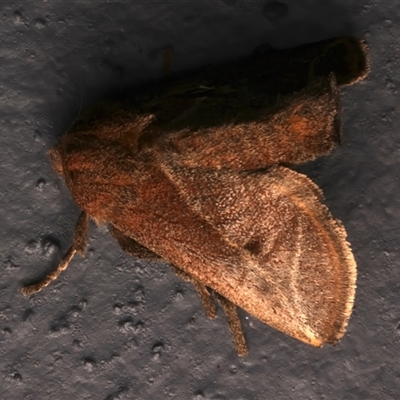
(114, 327)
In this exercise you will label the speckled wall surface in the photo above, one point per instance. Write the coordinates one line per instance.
(114, 327)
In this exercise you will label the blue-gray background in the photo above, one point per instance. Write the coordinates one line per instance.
(114, 327)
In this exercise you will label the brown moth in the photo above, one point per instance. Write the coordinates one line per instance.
(194, 174)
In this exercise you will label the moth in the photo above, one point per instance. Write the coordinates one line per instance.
(196, 172)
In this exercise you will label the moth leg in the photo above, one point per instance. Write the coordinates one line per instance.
(235, 325)
(78, 246)
(132, 247)
(202, 291)
(211, 312)
(206, 301)
(135, 249)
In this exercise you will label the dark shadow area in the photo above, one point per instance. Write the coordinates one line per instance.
(115, 64)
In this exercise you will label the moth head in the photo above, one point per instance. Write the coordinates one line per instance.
(56, 161)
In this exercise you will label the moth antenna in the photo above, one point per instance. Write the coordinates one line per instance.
(167, 61)
(78, 246)
(235, 324)
(80, 108)
(77, 115)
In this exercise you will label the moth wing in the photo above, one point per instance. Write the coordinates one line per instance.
(300, 274)
(131, 246)
(298, 128)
